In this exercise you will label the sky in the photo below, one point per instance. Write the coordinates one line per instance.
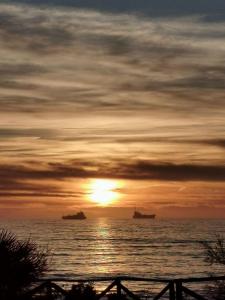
(121, 100)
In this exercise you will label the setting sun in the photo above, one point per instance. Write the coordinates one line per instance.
(103, 191)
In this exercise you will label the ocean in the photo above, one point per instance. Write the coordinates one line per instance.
(110, 247)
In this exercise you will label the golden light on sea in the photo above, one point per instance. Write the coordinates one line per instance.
(104, 191)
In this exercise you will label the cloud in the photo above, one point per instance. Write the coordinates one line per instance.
(216, 142)
(69, 53)
(44, 133)
(163, 171)
(88, 93)
(153, 8)
(139, 170)
(8, 70)
(21, 28)
(34, 203)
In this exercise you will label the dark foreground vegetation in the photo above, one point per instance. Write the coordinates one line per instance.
(215, 254)
(22, 264)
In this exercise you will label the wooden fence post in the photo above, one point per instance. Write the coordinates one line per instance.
(172, 291)
(118, 288)
(179, 295)
(49, 290)
(103, 293)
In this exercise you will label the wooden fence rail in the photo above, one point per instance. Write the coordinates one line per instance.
(174, 289)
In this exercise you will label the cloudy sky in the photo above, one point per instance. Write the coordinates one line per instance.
(128, 91)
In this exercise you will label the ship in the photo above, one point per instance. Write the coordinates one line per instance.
(79, 216)
(138, 215)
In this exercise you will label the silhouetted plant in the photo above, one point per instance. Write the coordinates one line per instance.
(215, 254)
(21, 263)
(82, 291)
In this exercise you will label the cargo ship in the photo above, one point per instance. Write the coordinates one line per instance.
(79, 216)
(138, 215)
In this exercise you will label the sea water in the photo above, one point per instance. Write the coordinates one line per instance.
(111, 247)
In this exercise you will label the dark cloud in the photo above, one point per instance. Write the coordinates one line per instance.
(30, 32)
(12, 186)
(166, 140)
(29, 187)
(153, 8)
(139, 170)
(9, 70)
(203, 78)
(175, 172)
(43, 133)
(24, 104)
(200, 81)
(35, 194)
(216, 142)
(113, 44)
(47, 203)
(212, 18)
(11, 84)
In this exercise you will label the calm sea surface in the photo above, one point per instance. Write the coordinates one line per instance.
(109, 247)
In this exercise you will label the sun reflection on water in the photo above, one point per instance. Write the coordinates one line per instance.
(104, 246)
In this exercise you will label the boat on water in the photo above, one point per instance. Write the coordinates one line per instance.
(138, 215)
(79, 216)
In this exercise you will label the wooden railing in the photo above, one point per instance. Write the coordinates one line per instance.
(173, 289)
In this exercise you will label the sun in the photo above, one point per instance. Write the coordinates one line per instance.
(103, 191)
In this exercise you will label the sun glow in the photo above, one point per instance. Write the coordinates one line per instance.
(103, 191)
